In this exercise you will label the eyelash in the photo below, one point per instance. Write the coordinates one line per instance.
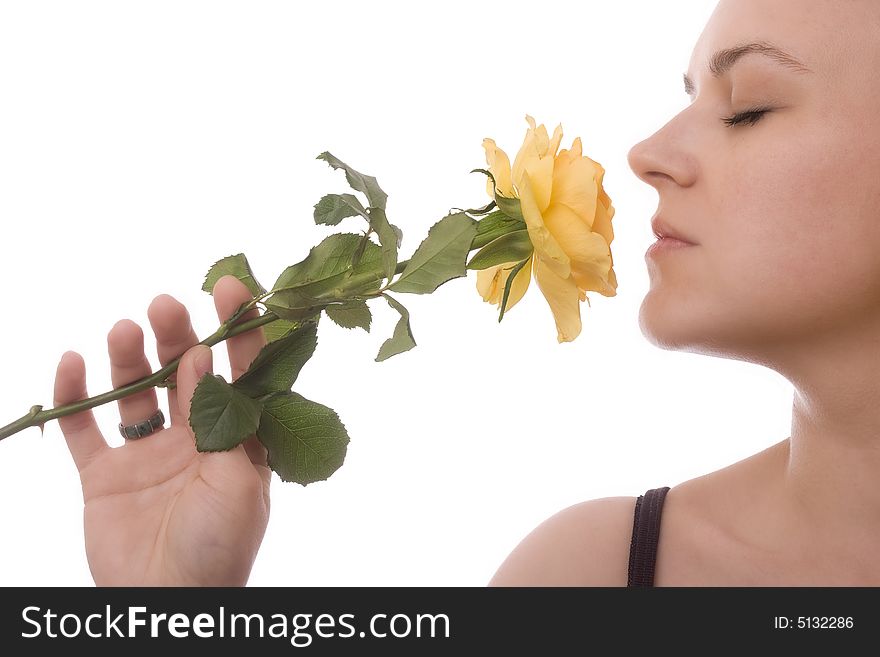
(749, 118)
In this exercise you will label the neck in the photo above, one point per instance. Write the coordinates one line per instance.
(832, 460)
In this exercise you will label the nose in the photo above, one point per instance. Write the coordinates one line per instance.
(646, 162)
(637, 159)
(663, 158)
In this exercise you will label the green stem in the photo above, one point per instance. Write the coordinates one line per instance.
(228, 329)
(37, 417)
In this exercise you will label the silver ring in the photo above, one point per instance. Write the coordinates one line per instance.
(145, 428)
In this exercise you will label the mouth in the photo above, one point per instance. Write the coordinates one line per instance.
(666, 245)
(662, 231)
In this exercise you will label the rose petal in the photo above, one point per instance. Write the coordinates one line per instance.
(534, 159)
(554, 143)
(587, 280)
(563, 297)
(499, 165)
(602, 222)
(491, 282)
(588, 252)
(574, 186)
(542, 239)
(542, 140)
(527, 152)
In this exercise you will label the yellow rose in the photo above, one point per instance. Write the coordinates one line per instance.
(568, 216)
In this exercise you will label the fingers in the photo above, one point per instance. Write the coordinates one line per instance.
(84, 439)
(174, 333)
(125, 344)
(194, 363)
(259, 455)
(229, 294)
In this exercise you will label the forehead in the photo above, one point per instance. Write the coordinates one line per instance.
(828, 36)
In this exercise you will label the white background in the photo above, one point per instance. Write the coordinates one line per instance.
(140, 142)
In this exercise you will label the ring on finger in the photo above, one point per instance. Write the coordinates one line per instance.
(145, 428)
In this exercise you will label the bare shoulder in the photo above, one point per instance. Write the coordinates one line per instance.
(714, 532)
(586, 544)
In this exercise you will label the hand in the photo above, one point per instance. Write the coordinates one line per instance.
(158, 512)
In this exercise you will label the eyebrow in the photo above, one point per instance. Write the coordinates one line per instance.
(723, 60)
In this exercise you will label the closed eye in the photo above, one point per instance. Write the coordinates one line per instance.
(748, 118)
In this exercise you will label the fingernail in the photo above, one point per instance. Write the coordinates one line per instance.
(204, 360)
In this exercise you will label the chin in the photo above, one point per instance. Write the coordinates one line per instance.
(662, 328)
(674, 325)
(719, 332)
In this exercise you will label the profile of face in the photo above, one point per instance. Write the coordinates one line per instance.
(783, 206)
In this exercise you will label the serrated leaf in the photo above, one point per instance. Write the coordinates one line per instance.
(278, 329)
(294, 309)
(493, 226)
(279, 362)
(358, 181)
(238, 266)
(486, 209)
(440, 257)
(402, 339)
(333, 208)
(350, 314)
(388, 238)
(221, 417)
(512, 247)
(359, 251)
(509, 206)
(306, 441)
(329, 265)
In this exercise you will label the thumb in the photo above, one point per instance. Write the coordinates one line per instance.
(195, 362)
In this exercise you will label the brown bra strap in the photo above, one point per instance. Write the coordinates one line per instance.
(645, 536)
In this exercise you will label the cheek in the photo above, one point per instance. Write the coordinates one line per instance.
(801, 225)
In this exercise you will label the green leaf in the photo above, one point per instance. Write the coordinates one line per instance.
(306, 441)
(509, 206)
(510, 277)
(325, 275)
(278, 329)
(388, 238)
(350, 314)
(359, 251)
(220, 416)
(491, 205)
(238, 266)
(399, 234)
(333, 208)
(294, 309)
(440, 257)
(279, 362)
(488, 173)
(493, 226)
(486, 209)
(328, 265)
(402, 339)
(358, 181)
(512, 247)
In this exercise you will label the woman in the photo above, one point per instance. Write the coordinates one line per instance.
(771, 174)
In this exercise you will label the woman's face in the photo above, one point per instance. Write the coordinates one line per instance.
(785, 213)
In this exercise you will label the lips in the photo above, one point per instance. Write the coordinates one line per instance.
(663, 229)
